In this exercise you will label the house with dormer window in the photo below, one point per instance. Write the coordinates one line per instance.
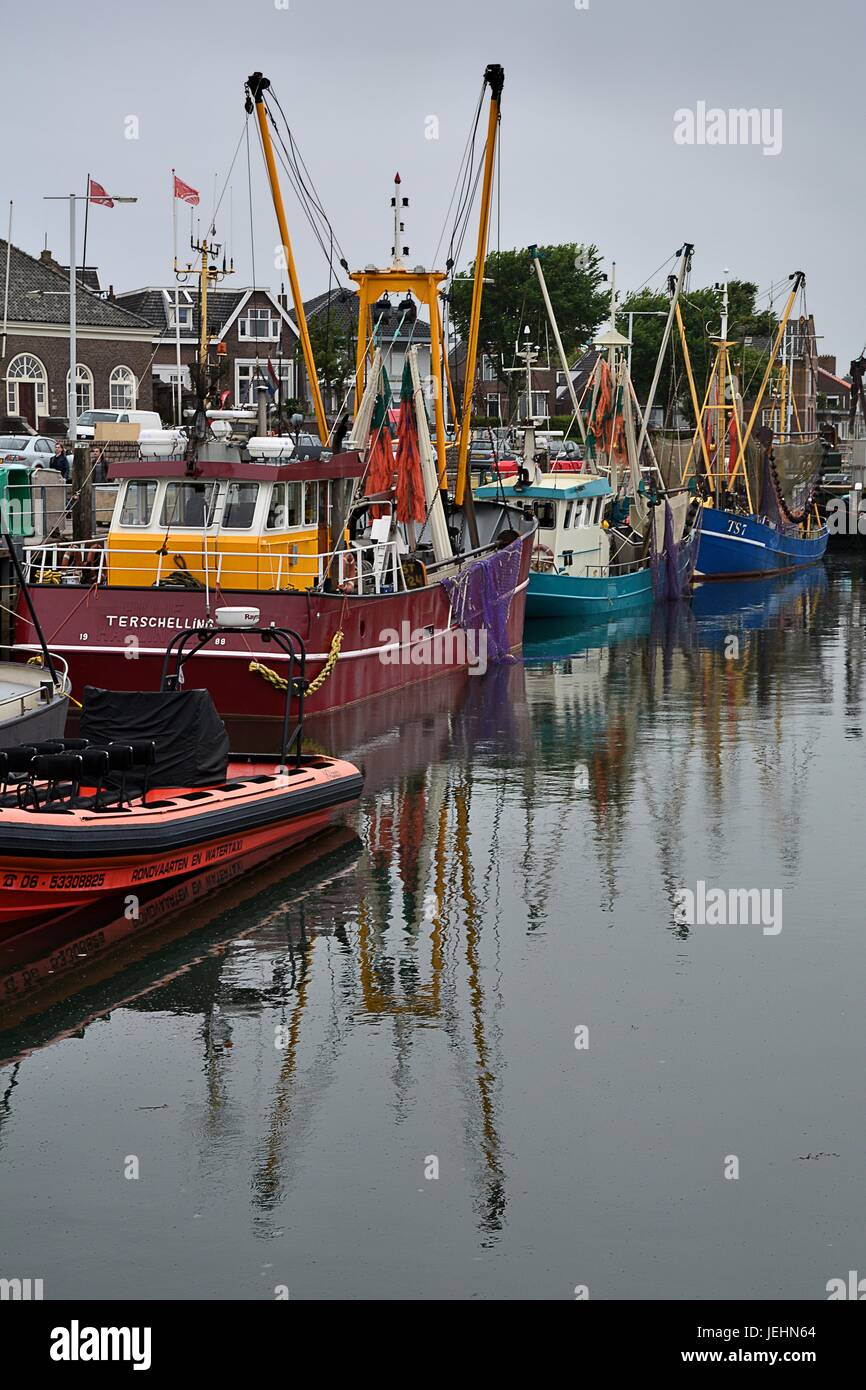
(251, 329)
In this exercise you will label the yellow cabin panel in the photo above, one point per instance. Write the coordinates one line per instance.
(239, 561)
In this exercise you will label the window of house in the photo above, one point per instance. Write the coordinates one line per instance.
(138, 500)
(259, 325)
(240, 506)
(488, 369)
(188, 504)
(121, 389)
(491, 405)
(83, 389)
(250, 375)
(181, 315)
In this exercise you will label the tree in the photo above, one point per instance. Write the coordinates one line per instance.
(513, 302)
(333, 353)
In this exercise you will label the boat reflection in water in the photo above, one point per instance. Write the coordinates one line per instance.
(397, 985)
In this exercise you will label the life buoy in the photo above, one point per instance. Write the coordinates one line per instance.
(543, 558)
(350, 574)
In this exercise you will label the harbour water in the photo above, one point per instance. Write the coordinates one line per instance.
(465, 1047)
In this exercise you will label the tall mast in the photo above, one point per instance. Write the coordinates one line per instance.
(494, 77)
(685, 262)
(257, 85)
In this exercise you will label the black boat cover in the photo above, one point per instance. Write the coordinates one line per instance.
(192, 746)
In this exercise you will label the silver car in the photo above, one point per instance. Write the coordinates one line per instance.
(27, 448)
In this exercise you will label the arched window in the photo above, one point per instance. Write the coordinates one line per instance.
(26, 387)
(83, 388)
(121, 389)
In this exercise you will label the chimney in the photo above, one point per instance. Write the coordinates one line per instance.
(47, 259)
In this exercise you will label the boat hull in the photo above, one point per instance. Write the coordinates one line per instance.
(115, 638)
(52, 863)
(589, 599)
(37, 725)
(736, 546)
(565, 595)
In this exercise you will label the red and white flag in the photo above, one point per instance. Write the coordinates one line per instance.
(97, 194)
(185, 193)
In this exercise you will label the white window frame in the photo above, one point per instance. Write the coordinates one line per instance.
(129, 380)
(258, 315)
(252, 363)
(83, 379)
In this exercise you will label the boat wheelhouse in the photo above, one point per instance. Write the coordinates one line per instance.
(588, 559)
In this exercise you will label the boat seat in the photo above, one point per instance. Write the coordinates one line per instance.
(60, 774)
(16, 770)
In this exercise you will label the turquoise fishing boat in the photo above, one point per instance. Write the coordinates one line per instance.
(592, 558)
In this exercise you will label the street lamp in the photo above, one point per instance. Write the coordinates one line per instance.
(73, 345)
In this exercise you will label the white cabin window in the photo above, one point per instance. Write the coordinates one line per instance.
(188, 504)
(285, 512)
(240, 508)
(138, 500)
(568, 514)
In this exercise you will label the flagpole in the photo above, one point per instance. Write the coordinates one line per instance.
(86, 211)
(179, 388)
(72, 431)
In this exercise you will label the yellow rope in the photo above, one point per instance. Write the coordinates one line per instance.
(280, 683)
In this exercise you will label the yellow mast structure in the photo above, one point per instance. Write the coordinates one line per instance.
(257, 85)
(721, 370)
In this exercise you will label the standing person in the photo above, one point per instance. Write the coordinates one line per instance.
(60, 461)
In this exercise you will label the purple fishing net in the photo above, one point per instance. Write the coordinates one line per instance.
(672, 568)
(481, 598)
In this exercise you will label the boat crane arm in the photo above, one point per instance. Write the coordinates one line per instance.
(685, 261)
(536, 263)
(257, 85)
(494, 76)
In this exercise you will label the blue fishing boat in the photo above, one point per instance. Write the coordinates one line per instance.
(759, 516)
(589, 561)
(736, 545)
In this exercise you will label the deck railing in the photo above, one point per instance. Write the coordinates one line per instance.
(366, 567)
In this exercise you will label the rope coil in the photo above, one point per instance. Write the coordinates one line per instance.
(280, 683)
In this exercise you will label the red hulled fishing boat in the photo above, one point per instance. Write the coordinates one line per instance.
(389, 578)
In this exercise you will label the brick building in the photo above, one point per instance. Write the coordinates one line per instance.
(250, 328)
(113, 344)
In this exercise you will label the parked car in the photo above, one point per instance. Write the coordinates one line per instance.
(89, 419)
(307, 446)
(27, 448)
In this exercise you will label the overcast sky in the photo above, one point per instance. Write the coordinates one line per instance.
(588, 121)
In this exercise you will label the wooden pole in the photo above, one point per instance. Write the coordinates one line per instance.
(82, 492)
